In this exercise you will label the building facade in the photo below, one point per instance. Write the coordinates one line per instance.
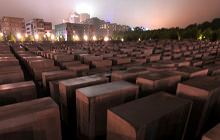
(98, 25)
(38, 26)
(68, 30)
(102, 28)
(13, 25)
(84, 17)
(74, 17)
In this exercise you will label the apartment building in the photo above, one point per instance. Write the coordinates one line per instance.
(68, 30)
(38, 26)
(12, 25)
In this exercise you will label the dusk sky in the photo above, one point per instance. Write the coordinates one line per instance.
(148, 13)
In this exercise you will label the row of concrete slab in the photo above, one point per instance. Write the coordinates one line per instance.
(99, 91)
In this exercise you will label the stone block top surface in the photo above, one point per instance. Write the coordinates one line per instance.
(157, 75)
(145, 110)
(205, 82)
(101, 89)
(5, 87)
(81, 80)
(24, 108)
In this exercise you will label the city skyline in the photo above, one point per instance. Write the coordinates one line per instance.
(150, 14)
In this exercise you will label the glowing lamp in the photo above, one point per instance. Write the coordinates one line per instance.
(48, 34)
(36, 36)
(19, 36)
(52, 37)
(85, 37)
(76, 37)
(94, 38)
(106, 39)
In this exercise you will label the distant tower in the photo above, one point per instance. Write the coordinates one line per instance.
(84, 17)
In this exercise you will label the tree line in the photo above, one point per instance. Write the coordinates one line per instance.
(209, 31)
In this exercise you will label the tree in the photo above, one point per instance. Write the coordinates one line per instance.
(155, 35)
(191, 26)
(215, 24)
(218, 34)
(191, 33)
(70, 38)
(48, 38)
(179, 35)
(143, 36)
(101, 38)
(138, 29)
(55, 38)
(23, 38)
(205, 31)
(61, 38)
(30, 38)
(214, 36)
(207, 34)
(204, 25)
(40, 38)
(173, 34)
(1, 38)
(11, 37)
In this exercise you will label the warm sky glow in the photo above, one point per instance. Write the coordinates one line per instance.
(149, 13)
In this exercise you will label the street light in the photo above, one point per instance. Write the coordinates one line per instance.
(76, 37)
(85, 37)
(60, 38)
(122, 39)
(19, 36)
(52, 37)
(48, 34)
(37, 37)
(106, 39)
(94, 38)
